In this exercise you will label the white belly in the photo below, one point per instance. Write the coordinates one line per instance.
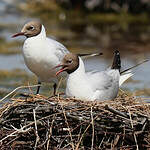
(78, 88)
(109, 94)
(40, 61)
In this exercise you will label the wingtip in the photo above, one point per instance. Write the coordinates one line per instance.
(117, 52)
(144, 61)
(116, 61)
(90, 54)
(97, 54)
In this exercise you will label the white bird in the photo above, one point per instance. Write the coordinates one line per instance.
(41, 53)
(93, 85)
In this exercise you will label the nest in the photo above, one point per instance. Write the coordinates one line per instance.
(54, 123)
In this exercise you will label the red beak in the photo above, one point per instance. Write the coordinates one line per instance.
(18, 34)
(61, 70)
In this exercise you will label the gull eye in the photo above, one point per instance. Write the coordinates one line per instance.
(30, 28)
(69, 61)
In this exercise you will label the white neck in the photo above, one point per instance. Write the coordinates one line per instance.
(76, 81)
(80, 70)
(34, 47)
(43, 32)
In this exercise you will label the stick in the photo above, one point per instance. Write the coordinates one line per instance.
(59, 84)
(92, 129)
(137, 147)
(36, 131)
(116, 112)
(21, 130)
(50, 132)
(77, 147)
(18, 88)
(67, 125)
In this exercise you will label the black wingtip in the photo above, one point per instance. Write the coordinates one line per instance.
(117, 53)
(117, 61)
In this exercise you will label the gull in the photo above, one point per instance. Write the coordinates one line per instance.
(42, 53)
(92, 85)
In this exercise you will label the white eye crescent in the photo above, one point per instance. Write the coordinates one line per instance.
(31, 27)
(69, 61)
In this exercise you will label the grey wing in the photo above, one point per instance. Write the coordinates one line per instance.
(100, 80)
(61, 50)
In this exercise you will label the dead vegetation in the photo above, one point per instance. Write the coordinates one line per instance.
(38, 122)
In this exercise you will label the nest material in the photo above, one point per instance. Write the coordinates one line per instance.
(57, 123)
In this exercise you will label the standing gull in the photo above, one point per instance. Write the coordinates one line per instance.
(41, 53)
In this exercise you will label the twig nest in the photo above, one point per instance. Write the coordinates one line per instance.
(56, 123)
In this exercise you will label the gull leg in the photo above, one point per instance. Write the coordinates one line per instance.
(28, 95)
(38, 88)
(55, 87)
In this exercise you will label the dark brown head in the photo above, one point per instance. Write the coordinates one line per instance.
(69, 63)
(30, 29)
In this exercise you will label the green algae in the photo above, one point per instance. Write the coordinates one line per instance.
(9, 80)
(118, 18)
(9, 48)
(144, 91)
(49, 10)
(40, 6)
(16, 77)
(3, 93)
(11, 74)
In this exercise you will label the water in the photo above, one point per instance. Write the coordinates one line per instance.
(12, 62)
(132, 41)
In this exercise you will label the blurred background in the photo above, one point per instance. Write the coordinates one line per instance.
(82, 26)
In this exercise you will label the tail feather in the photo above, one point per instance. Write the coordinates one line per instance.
(125, 76)
(117, 61)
